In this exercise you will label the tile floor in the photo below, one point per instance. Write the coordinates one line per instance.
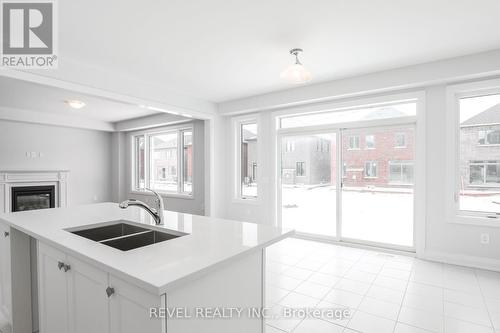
(384, 292)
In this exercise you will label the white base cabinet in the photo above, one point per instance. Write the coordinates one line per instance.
(15, 281)
(5, 280)
(76, 297)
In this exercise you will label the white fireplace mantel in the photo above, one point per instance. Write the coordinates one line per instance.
(9, 179)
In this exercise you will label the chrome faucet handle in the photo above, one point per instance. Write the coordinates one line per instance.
(159, 200)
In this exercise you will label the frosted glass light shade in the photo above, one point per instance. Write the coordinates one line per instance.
(296, 73)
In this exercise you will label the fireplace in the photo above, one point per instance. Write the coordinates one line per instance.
(32, 197)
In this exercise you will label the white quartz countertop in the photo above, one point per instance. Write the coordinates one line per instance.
(159, 267)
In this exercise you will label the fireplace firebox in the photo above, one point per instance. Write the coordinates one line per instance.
(32, 197)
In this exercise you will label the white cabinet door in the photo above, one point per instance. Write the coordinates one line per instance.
(130, 309)
(89, 304)
(53, 295)
(5, 275)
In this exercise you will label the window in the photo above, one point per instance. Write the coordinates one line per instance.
(400, 140)
(300, 169)
(388, 111)
(354, 142)
(140, 170)
(401, 172)
(164, 159)
(289, 146)
(344, 170)
(370, 141)
(187, 162)
(170, 167)
(248, 132)
(478, 165)
(488, 137)
(370, 169)
(484, 173)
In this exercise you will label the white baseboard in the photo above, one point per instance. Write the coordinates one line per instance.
(462, 260)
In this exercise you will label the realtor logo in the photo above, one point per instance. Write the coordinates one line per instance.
(28, 34)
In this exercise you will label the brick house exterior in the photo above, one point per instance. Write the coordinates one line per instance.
(388, 148)
(480, 150)
(311, 160)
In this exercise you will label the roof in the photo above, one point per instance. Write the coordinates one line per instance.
(488, 116)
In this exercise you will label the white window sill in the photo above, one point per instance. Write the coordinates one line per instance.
(249, 201)
(475, 220)
(165, 195)
(353, 148)
(399, 147)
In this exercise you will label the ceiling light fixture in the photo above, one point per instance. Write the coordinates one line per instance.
(75, 104)
(296, 73)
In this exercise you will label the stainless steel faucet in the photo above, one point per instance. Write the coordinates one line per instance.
(156, 213)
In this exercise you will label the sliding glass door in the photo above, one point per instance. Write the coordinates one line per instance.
(374, 167)
(308, 183)
(377, 185)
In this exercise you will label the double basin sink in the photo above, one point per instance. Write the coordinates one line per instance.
(125, 236)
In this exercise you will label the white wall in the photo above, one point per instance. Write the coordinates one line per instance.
(86, 153)
(444, 241)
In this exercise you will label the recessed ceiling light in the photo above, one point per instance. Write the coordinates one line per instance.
(296, 73)
(75, 104)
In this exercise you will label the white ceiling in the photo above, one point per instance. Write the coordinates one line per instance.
(39, 98)
(220, 50)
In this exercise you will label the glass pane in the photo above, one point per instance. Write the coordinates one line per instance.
(248, 161)
(369, 142)
(164, 162)
(308, 191)
(187, 183)
(377, 192)
(33, 201)
(351, 115)
(139, 163)
(479, 163)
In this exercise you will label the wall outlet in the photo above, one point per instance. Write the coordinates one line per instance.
(485, 238)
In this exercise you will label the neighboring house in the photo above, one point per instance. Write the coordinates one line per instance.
(248, 157)
(480, 150)
(165, 160)
(306, 160)
(378, 157)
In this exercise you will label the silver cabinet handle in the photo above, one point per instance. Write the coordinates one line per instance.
(66, 267)
(60, 265)
(6, 233)
(110, 291)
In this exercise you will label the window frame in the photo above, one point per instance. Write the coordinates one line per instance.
(404, 139)
(485, 138)
(400, 163)
(372, 136)
(148, 135)
(453, 95)
(237, 124)
(372, 165)
(302, 168)
(349, 143)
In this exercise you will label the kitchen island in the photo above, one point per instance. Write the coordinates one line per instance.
(178, 283)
